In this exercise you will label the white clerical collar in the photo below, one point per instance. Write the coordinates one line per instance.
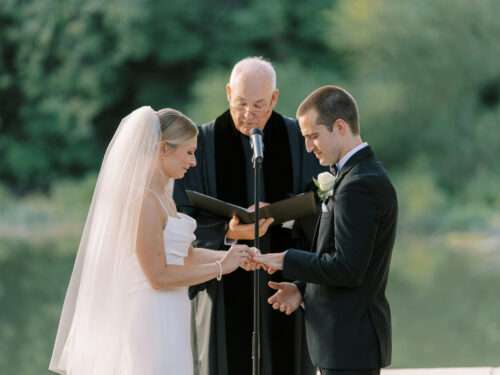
(347, 156)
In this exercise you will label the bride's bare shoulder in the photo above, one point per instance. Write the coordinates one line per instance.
(152, 207)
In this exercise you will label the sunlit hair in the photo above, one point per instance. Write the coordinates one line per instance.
(253, 63)
(176, 127)
(332, 103)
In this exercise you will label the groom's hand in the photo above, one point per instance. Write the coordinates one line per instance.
(287, 299)
(251, 265)
(271, 262)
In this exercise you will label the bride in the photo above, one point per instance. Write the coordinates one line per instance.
(126, 310)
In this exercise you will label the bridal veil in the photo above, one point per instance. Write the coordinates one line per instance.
(90, 335)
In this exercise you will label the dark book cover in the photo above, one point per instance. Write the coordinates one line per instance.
(287, 209)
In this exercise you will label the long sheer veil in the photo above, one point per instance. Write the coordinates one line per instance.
(89, 338)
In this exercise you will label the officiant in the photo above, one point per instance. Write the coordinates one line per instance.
(222, 311)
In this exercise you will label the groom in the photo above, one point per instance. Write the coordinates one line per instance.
(342, 285)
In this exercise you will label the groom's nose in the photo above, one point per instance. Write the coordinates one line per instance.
(309, 145)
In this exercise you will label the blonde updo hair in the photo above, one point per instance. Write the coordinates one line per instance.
(176, 128)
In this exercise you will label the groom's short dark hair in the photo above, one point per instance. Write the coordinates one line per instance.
(331, 103)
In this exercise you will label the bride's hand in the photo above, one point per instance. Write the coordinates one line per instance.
(249, 264)
(236, 255)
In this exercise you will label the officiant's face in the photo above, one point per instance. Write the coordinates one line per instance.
(251, 102)
(319, 139)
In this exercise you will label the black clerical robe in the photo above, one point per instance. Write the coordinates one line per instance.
(222, 311)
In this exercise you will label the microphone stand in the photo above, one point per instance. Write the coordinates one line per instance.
(256, 351)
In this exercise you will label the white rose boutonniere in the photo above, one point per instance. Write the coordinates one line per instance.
(324, 183)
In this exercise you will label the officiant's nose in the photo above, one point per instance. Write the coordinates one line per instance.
(249, 113)
(246, 113)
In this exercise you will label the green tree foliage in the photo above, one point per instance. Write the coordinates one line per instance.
(70, 70)
(63, 58)
(428, 80)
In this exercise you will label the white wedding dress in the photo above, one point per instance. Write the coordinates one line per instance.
(159, 338)
(113, 322)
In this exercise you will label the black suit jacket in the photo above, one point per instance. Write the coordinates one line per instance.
(348, 320)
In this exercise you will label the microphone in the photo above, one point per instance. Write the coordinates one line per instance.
(257, 144)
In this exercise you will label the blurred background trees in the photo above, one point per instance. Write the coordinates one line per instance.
(71, 70)
(426, 75)
(427, 78)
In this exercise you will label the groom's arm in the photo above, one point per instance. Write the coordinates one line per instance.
(301, 286)
(356, 225)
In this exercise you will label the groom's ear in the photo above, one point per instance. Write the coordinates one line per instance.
(342, 126)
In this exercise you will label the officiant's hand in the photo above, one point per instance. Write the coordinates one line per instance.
(287, 299)
(238, 231)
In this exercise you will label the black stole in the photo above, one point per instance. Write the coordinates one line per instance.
(230, 161)
(232, 187)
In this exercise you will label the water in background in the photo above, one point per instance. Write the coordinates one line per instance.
(444, 301)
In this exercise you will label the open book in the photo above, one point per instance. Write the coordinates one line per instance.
(287, 209)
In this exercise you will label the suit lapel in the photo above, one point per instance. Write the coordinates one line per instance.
(323, 233)
(316, 232)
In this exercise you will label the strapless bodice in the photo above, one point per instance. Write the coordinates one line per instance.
(178, 235)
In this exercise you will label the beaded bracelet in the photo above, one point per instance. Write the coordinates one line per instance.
(219, 266)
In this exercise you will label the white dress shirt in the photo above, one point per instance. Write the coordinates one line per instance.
(347, 156)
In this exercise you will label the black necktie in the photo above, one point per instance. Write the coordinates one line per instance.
(334, 169)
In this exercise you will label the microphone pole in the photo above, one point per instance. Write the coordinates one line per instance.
(258, 157)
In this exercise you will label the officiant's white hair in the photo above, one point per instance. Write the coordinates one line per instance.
(254, 64)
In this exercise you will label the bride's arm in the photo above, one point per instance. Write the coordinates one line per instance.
(199, 255)
(152, 256)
